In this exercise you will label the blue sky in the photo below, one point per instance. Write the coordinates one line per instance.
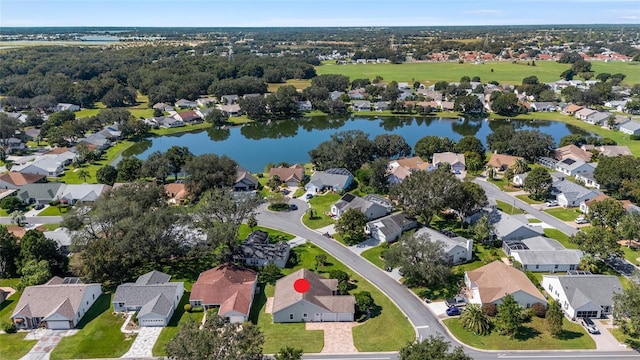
(267, 13)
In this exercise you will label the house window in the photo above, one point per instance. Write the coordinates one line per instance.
(572, 267)
(556, 266)
(290, 316)
(537, 266)
(305, 315)
(550, 287)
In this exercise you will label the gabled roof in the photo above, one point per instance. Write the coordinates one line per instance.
(583, 289)
(153, 277)
(448, 157)
(39, 191)
(244, 175)
(573, 152)
(631, 126)
(159, 305)
(392, 224)
(350, 201)
(20, 179)
(292, 173)
(506, 225)
(497, 279)
(151, 292)
(570, 190)
(613, 150)
(320, 293)
(448, 243)
(499, 160)
(412, 163)
(336, 178)
(54, 297)
(218, 285)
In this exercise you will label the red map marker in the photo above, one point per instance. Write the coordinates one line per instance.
(301, 285)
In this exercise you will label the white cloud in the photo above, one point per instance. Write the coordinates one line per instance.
(629, 17)
(484, 11)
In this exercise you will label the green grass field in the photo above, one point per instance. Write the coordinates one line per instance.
(503, 72)
(374, 255)
(564, 214)
(528, 200)
(14, 346)
(563, 238)
(508, 208)
(99, 337)
(245, 230)
(376, 334)
(535, 337)
(321, 204)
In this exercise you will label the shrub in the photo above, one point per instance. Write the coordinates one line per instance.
(54, 202)
(279, 207)
(527, 315)
(539, 309)
(187, 307)
(490, 309)
(634, 137)
(197, 309)
(9, 328)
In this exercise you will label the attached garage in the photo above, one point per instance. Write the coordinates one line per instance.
(153, 321)
(59, 324)
(329, 317)
(345, 317)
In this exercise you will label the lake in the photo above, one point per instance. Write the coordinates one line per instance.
(256, 144)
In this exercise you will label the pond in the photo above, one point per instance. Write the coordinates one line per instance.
(256, 144)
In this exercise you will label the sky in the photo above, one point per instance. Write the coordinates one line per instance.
(314, 13)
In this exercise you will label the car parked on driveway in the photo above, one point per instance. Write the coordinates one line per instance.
(293, 207)
(581, 220)
(453, 311)
(590, 326)
(285, 191)
(551, 203)
(309, 196)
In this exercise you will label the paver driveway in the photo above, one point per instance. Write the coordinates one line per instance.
(47, 341)
(338, 337)
(142, 346)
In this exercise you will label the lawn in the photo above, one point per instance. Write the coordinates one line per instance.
(373, 335)
(503, 71)
(534, 221)
(626, 339)
(563, 238)
(508, 208)
(245, 230)
(321, 204)
(527, 199)
(179, 317)
(13, 346)
(7, 307)
(564, 214)
(631, 255)
(297, 83)
(535, 337)
(53, 211)
(374, 255)
(99, 335)
(503, 185)
(71, 177)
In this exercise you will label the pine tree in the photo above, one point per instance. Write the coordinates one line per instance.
(554, 318)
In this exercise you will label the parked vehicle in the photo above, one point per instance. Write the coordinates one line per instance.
(453, 311)
(39, 207)
(590, 326)
(285, 191)
(456, 302)
(309, 196)
(293, 207)
(581, 220)
(551, 203)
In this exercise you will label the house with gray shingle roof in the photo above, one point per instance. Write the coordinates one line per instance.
(598, 118)
(257, 250)
(152, 296)
(542, 254)
(584, 295)
(457, 249)
(507, 227)
(336, 179)
(570, 194)
(572, 167)
(630, 127)
(348, 201)
(39, 193)
(389, 228)
(58, 304)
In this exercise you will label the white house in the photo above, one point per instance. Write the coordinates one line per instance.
(457, 249)
(304, 105)
(508, 227)
(389, 228)
(43, 165)
(570, 194)
(588, 179)
(572, 166)
(65, 106)
(541, 254)
(348, 201)
(630, 127)
(584, 113)
(518, 179)
(335, 179)
(583, 295)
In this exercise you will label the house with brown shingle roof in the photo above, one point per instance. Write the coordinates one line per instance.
(492, 282)
(501, 162)
(58, 304)
(292, 175)
(572, 151)
(456, 160)
(244, 180)
(229, 287)
(14, 180)
(176, 192)
(319, 304)
(571, 109)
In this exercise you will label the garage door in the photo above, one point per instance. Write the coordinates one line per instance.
(345, 317)
(328, 317)
(58, 324)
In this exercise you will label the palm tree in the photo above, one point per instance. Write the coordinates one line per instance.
(520, 166)
(474, 320)
(84, 174)
(491, 172)
(18, 218)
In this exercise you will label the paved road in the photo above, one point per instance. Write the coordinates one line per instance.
(493, 191)
(415, 310)
(5, 220)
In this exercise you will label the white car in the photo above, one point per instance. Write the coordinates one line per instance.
(551, 203)
(581, 220)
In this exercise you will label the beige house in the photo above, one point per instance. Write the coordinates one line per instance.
(456, 160)
(500, 162)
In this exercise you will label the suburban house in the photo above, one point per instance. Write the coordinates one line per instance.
(584, 113)
(457, 249)
(319, 304)
(598, 118)
(62, 236)
(231, 109)
(588, 179)
(43, 165)
(571, 109)
(541, 254)
(626, 204)
(489, 284)
(229, 287)
(152, 296)
(73, 193)
(542, 106)
(380, 106)
(572, 166)
(244, 180)
(304, 105)
(184, 103)
(389, 228)
(176, 192)
(399, 169)
(570, 194)
(229, 99)
(518, 179)
(168, 122)
(348, 201)
(58, 304)
(65, 106)
(500, 162)
(206, 101)
(12, 144)
(507, 227)
(15, 180)
(583, 295)
(456, 161)
(609, 150)
(188, 116)
(335, 179)
(631, 127)
(617, 105)
(335, 95)
(361, 105)
(163, 107)
(357, 94)
(256, 250)
(39, 193)
(572, 151)
(292, 175)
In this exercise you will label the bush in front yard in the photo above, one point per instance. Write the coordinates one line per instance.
(9, 328)
(490, 309)
(187, 307)
(539, 309)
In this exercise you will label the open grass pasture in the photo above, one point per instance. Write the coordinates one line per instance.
(502, 72)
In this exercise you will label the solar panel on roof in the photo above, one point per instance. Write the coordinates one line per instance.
(568, 161)
(348, 197)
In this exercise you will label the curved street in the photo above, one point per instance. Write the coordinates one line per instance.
(415, 310)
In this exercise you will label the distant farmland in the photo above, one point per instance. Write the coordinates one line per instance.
(503, 71)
